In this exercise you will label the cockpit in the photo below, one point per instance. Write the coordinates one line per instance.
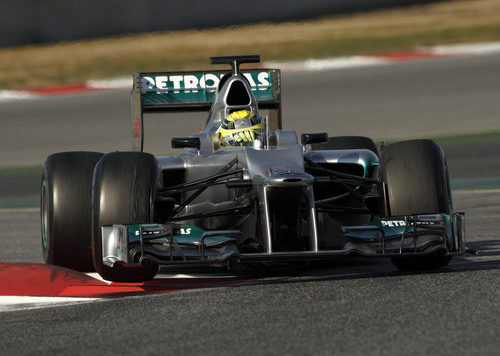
(241, 105)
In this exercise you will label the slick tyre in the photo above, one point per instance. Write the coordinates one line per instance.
(347, 143)
(123, 193)
(416, 177)
(65, 209)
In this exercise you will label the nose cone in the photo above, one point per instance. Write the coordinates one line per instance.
(281, 171)
(283, 175)
(280, 166)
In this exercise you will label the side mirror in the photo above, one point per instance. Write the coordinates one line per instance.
(317, 137)
(186, 142)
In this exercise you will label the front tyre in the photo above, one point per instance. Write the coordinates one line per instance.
(65, 209)
(416, 175)
(124, 190)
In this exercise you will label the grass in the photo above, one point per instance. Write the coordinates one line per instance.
(381, 31)
(21, 169)
(482, 137)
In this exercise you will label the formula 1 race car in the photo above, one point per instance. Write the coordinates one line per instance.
(244, 190)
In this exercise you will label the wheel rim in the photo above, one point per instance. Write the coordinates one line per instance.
(45, 216)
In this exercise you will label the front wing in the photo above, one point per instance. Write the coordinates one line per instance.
(170, 244)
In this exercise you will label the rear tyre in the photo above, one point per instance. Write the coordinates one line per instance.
(65, 209)
(347, 143)
(124, 190)
(416, 176)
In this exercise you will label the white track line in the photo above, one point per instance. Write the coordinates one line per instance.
(16, 95)
(11, 303)
(115, 83)
(96, 275)
(467, 49)
(170, 275)
(182, 275)
(314, 65)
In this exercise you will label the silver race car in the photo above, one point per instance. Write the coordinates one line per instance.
(244, 190)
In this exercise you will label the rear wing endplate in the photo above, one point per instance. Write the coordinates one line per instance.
(196, 91)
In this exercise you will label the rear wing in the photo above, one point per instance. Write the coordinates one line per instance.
(196, 91)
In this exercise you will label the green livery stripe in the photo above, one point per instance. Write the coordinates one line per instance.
(189, 235)
(199, 88)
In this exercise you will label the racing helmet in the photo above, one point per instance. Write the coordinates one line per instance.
(240, 128)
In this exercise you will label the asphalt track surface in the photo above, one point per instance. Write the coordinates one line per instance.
(363, 307)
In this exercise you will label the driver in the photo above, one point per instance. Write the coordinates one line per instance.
(240, 128)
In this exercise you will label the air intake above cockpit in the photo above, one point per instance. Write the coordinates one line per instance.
(237, 94)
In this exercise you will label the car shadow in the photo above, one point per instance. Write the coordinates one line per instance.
(486, 247)
(363, 267)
